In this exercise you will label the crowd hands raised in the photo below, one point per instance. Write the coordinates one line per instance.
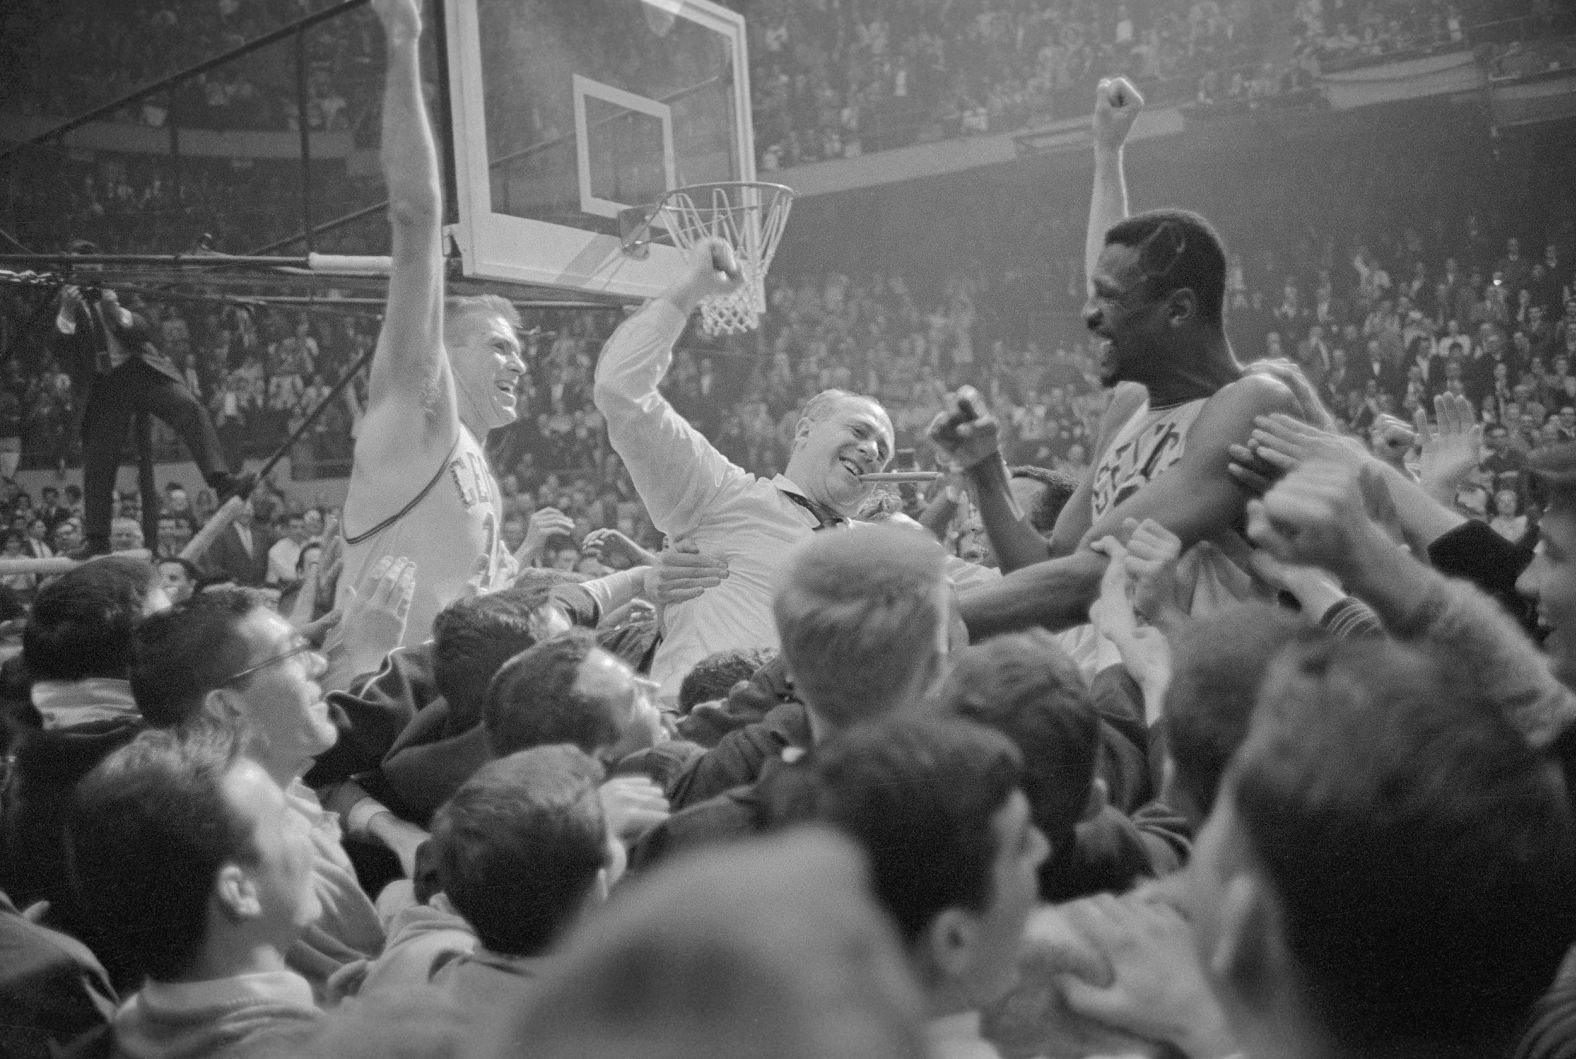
(1330, 819)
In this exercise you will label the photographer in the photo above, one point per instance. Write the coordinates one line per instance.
(117, 371)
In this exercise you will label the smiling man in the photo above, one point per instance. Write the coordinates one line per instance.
(1156, 304)
(445, 374)
(692, 491)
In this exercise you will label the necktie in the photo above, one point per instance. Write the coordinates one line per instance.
(825, 517)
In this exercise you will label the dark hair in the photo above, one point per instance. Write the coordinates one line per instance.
(1059, 488)
(179, 655)
(1177, 249)
(1218, 664)
(858, 614)
(518, 847)
(1024, 686)
(82, 624)
(715, 675)
(148, 832)
(473, 637)
(1553, 476)
(188, 567)
(532, 700)
(1422, 853)
(918, 796)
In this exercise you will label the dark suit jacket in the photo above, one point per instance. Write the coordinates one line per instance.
(228, 558)
(78, 352)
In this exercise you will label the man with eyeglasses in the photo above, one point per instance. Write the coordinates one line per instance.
(1181, 400)
(226, 656)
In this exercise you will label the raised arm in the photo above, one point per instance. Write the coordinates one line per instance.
(674, 468)
(410, 381)
(1116, 107)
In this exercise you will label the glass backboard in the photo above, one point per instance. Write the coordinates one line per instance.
(566, 112)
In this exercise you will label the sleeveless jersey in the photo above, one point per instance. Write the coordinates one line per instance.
(451, 534)
(1145, 446)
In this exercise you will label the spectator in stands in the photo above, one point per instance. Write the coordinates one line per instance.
(179, 578)
(189, 852)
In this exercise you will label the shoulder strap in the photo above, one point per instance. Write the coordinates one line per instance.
(402, 512)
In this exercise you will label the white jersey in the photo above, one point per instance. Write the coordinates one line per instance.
(1144, 447)
(450, 532)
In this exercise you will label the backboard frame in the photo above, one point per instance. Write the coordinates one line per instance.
(558, 256)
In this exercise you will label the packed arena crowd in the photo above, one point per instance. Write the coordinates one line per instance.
(1187, 667)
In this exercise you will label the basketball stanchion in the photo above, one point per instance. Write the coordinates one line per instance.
(747, 215)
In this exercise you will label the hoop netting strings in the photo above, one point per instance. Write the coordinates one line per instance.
(750, 218)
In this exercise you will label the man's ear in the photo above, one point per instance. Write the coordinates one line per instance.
(222, 704)
(1099, 798)
(948, 943)
(1181, 305)
(236, 893)
(801, 430)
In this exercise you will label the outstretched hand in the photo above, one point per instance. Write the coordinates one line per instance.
(1116, 106)
(545, 522)
(613, 548)
(1280, 444)
(1452, 448)
(1324, 514)
(682, 572)
(965, 429)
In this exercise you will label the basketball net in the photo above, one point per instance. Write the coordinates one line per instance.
(748, 217)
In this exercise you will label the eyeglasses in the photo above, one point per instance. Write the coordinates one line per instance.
(301, 647)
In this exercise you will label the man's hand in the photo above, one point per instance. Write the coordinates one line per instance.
(1323, 514)
(1280, 444)
(374, 624)
(615, 549)
(401, 18)
(712, 269)
(331, 563)
(1152, 556)
(1451, 450)
(633, 806)
(70, 299)
(681, 573)
(1392, 439)
(1157, 990)
(965, 429)
(1144, 650)
(1116, 107)
(543, 523)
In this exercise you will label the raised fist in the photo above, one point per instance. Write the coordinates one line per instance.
(1116, 107)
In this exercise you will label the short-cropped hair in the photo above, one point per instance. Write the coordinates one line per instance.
(1025, 686)
(82, 623)
(714, 676)
(858, 612)
(519, 846)
(458, 308)
(918, 796)
(149, 830)
(1218, 664)
(1177, 249)
(1059, 488)
(1421, 851)
(533, 702)
(181, 654)
(471, 640)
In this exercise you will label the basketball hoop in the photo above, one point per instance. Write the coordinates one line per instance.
(750, 218)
